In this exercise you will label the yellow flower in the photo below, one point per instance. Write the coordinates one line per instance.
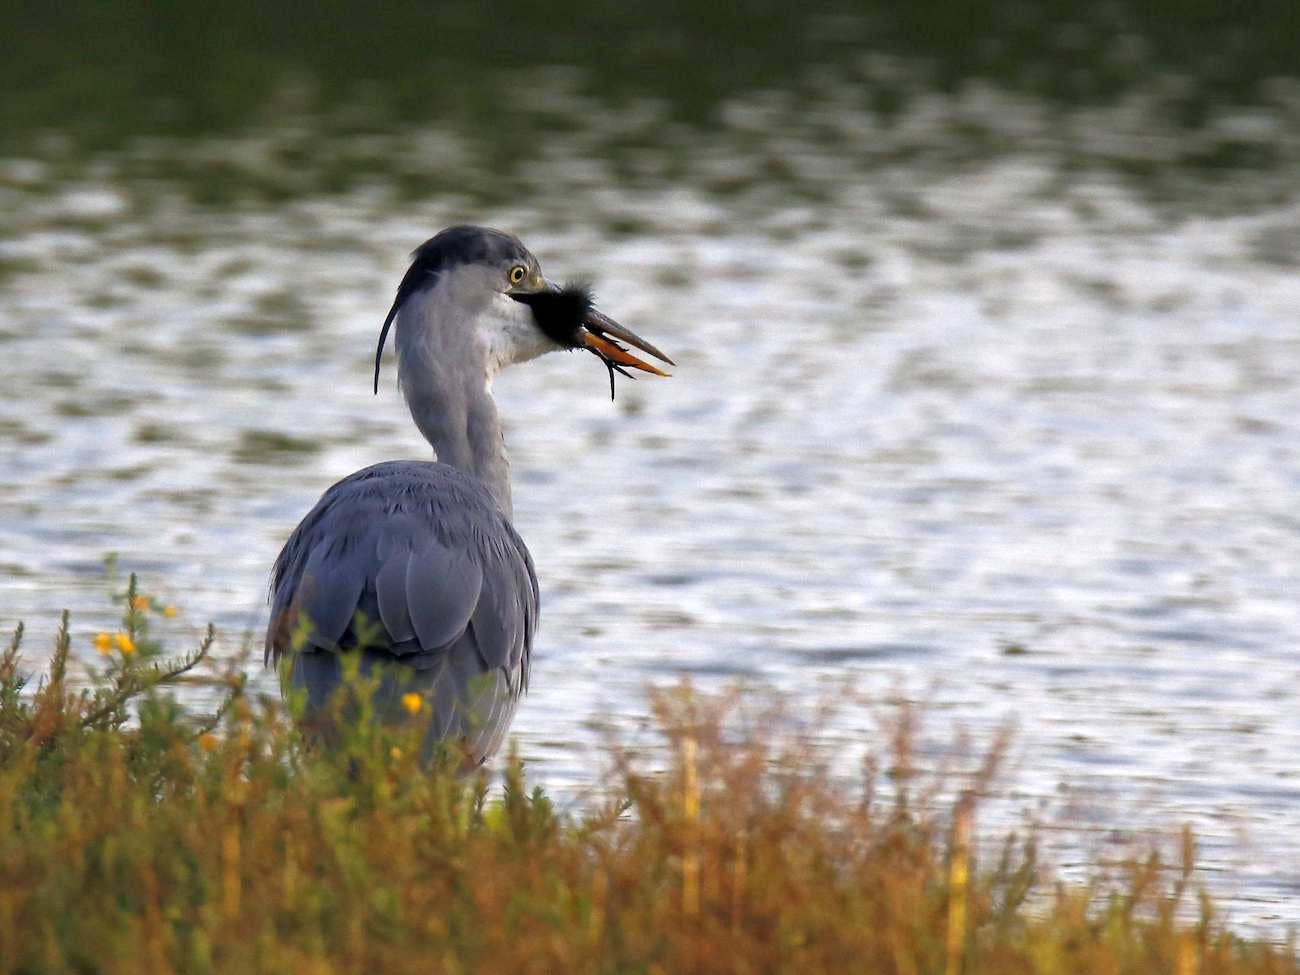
(412, 702)
(169, 611)
(209, 742)
(140, 604)
(124, 643)
(395, 752)
(103, 644)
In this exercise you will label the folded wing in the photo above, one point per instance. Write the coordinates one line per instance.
(412, 565)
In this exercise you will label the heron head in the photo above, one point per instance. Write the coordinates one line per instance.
(491, 277)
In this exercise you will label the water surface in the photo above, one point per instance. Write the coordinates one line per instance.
(987, 398)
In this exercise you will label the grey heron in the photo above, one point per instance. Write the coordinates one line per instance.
(414, 566)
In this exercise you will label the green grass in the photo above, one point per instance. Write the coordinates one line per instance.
(137, 836)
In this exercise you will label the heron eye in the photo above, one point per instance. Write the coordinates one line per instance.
(517, 274)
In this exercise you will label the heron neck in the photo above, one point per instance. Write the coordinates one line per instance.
(444, 377)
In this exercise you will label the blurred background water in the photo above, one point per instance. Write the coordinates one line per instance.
(986, 316)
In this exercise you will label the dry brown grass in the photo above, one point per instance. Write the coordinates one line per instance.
(133, 838)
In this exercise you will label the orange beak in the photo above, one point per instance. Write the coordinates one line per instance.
(601, 335)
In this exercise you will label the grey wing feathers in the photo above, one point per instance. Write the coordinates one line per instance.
(328, 591)
(505, 616)
(414, 564)
(442, 591)
(390, 597)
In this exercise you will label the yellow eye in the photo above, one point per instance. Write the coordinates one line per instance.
(518, 273)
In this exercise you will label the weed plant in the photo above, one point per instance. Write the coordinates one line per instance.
(138, 836)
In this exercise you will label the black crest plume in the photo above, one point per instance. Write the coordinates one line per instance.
(446, 250)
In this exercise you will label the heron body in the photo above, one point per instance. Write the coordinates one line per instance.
(414, 566)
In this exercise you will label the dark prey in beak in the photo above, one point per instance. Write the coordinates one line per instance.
(568, 316)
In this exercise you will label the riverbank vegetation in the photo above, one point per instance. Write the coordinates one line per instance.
(138, 833)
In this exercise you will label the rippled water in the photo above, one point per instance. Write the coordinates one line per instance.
(965, 413)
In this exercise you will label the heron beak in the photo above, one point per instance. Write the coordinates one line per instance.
(555, 308)
(601, 335)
